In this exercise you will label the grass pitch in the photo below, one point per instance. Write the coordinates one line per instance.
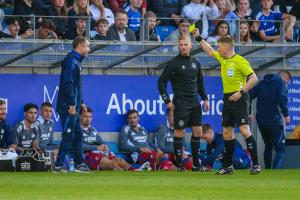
(280, 184)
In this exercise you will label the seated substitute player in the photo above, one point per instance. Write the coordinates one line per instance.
(237, 78)
(215, 150)
(26, 132)
(6, 136)
(135, 139)
(46, 127)
(164, 141)
(98, 154)
(184, 72)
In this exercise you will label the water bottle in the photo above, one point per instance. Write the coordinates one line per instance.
(71, 169)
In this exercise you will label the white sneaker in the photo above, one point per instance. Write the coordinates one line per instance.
(145, 167)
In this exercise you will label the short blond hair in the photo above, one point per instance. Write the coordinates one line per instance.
(184, 37)
(226, 40)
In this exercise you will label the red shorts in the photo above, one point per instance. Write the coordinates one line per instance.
(148, 157)
(187, 163)
(93, 160)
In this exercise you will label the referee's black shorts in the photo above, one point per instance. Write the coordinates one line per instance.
(235, 113)
(186, 116)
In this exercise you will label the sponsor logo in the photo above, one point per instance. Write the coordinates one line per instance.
(183, 67)
(25, 166)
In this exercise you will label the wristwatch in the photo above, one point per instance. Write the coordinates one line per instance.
(242, 91)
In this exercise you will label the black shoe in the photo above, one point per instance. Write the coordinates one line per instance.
(181, 169)
(200, 169)
(225, 170)
(60, 169)
(256, 169)
(82, 168)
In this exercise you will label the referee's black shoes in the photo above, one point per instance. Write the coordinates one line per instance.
(225, 170)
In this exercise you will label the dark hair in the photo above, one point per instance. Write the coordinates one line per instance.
(28, 106)
(47, 104)
(132, 111)
(88, 109)
(121, 12)
(205, 128)
(78, 40)
(184, 20)
(11, 20)
(215, 32)
(101, 21)
(48, 23)
(286, 72)
(62, 12)
(2, 102)
(150, 14)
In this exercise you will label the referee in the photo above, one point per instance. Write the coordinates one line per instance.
(186, 78)
(235, 70)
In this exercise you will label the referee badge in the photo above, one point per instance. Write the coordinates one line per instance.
(230, 72)
(181, 123)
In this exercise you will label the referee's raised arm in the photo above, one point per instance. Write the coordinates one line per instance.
(207, 48)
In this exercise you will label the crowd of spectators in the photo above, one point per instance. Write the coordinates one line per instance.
(122, 20)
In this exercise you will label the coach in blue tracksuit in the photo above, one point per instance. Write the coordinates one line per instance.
(69, 103)
(272, 112)
(215, 150)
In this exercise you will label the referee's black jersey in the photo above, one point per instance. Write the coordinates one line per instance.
(186, 78)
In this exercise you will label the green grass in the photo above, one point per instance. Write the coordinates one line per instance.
(281, 184)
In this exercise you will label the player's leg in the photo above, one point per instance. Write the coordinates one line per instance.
(228, 136)
(123, 164)
(107, 164)
(240, 114)
(195, 121)
(179, 130)
(80, 166)
(266, 135)
(68, 134)
(250, 142)
(279, 144)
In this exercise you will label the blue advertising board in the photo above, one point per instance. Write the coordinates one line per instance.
(109, 96)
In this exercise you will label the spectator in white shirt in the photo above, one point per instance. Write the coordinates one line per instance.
(98, 10)
(195, 10)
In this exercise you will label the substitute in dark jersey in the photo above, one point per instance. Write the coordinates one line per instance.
(6, 136)
(186, 78)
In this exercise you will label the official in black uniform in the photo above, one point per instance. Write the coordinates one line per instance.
(186, 78)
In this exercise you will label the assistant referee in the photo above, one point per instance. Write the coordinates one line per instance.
(238, 78)
(186, 78)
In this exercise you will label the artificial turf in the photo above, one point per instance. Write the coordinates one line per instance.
(279, 184)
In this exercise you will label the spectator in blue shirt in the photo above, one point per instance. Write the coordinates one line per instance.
(269, 29)
(134, 14)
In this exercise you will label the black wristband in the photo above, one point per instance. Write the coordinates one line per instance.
(242, 91)
(199, 38)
